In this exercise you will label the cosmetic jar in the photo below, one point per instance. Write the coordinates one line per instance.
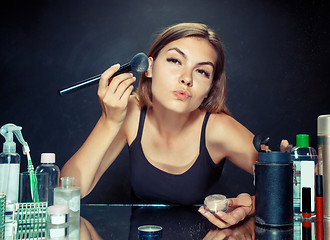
(273, 174)
(216, 202)
(58, 214)
(150, 232)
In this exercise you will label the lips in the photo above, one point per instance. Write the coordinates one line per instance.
(181, 94)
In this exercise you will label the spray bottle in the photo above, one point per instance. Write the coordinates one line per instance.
(10, 165)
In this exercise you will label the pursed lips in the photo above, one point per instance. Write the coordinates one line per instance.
(182, 94)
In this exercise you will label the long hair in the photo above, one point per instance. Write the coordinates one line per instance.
(215, 101)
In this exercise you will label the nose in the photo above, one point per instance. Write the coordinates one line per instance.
(186, 79)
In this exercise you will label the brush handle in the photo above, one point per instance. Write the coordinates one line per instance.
(33, 183)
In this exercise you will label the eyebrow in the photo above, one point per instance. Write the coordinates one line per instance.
(185, 56)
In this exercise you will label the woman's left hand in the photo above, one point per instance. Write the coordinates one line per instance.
(238, 209)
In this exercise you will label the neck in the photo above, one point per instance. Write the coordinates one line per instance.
(169, 123)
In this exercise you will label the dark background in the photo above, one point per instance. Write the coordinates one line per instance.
(276, 62)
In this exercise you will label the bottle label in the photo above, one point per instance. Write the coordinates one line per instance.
(303, 176)
(308, 180)
(296, 185)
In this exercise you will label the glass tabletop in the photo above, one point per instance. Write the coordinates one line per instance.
(121, 221)
(178, 222)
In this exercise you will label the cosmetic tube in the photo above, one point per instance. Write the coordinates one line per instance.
(319, 197)
(323, 138)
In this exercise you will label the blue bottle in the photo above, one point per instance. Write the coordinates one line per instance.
(48, 166)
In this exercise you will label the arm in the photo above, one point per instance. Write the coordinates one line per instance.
(229, 139)
(108, 136)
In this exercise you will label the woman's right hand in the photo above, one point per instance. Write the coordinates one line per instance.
(114, 94)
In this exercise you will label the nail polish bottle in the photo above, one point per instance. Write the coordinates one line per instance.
(306, 202)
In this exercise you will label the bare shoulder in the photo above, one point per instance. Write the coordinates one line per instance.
(227, 138)
(132, 118)
(222, 125)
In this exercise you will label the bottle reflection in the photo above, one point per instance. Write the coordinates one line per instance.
(326, 224)
(269, 233)
(319, 230)
(70, 230)
(306, 230)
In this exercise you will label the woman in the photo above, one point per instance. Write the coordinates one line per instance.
(176, 125)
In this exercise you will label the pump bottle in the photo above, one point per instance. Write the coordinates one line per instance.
(304, 159)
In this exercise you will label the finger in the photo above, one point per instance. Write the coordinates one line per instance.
(104, 80)
(127, 93)
(228, 219)
(122, 87)
(240, 201)
(212, 218)
(118, 80)
(284, 145)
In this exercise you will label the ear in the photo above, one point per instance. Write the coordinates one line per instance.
(148, 73)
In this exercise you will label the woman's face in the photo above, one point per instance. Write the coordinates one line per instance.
(182, 74)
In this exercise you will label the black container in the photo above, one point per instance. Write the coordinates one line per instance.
(273, 184)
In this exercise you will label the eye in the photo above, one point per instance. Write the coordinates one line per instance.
(203, 72)
(173, 60)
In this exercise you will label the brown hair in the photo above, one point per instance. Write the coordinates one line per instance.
(215, 102)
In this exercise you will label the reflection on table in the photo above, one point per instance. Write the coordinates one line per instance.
(118, 221)
(122, 222)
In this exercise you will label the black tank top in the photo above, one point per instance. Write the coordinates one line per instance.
(153, 185)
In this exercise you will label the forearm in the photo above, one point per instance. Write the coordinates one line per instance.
(85, 163)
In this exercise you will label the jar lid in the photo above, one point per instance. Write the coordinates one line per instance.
(274, 157)
(150, 232)
(47, 158)
(323, 125)
(58, 209)
(216, 202)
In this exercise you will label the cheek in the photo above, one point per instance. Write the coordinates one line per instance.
(204, 90)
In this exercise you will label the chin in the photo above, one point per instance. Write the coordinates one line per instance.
(180, 107)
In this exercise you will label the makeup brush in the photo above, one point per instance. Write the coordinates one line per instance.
(139, 63)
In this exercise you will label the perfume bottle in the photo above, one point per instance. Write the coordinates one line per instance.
(68, 195)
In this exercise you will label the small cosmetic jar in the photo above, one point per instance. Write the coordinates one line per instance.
(150, 232)
(216, 202)
(58, 214)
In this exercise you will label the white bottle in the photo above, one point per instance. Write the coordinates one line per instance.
(48, 166)
(68, 195)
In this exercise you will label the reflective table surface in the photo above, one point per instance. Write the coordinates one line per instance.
(120, 221)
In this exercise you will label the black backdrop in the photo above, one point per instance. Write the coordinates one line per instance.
(276, 64)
